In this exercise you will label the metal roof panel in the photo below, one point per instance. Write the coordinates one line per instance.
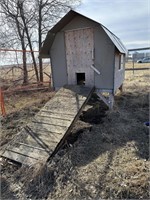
(117, 42)
(44, 53)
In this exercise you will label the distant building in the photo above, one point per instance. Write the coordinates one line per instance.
(137, 56)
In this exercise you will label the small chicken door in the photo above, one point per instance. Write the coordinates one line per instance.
(79, 56)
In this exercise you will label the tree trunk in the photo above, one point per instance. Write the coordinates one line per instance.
(24, 58)
(40, 43)
(25, 71)
(33, 58)
(20, 6)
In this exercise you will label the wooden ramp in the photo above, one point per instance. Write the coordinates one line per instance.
(45, 134)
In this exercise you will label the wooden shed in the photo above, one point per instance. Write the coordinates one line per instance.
(83, 51)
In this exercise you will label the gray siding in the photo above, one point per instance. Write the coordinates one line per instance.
(58, 61)
(104, 56)
(119, 73)
(104, 60)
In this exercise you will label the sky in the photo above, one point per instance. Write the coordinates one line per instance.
(128, 19)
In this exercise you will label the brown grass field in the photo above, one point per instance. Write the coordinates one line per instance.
(106, 156)
(11, 77)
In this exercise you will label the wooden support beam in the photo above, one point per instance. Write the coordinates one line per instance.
(109, 101)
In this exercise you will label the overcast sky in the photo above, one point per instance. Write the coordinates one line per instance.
(128, 19)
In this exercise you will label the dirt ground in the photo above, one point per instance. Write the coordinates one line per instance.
(105, 157)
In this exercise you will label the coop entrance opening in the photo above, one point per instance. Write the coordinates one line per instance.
(80, 78)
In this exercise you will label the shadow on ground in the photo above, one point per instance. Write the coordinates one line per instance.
(124, 124)
(6, 191)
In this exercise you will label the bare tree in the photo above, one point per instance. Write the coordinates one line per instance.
(11, 17)
(23, 7)
(49, 12)
(30, 20)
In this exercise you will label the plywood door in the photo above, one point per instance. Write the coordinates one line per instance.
(79, 54)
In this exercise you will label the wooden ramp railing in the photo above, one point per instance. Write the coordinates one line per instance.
(41, 139)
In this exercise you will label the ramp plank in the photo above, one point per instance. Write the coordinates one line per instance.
(49, 114)
(29, 151)
(50, 120)
(45, 126)
(20, 158)
(43, 137)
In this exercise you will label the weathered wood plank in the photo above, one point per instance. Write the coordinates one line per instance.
(66, 97)
(47, 123)
(60, 117)
(48, 142)
(64, 107)
(46, 145)
(56, 122)
(39, 140)
(19, 158)
(65, 102)
(29, 151)
(42, 149)
(41, 130)
(67, 115)
(47, 127)
(30, 139)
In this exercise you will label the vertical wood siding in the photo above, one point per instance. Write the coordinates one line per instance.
(79, 54)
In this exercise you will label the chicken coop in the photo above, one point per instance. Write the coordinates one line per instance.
(83, 51)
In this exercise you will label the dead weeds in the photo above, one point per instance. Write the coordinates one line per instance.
(106, 157)
(20, 109)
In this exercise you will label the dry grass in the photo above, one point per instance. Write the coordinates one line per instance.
(12, 76)
(20, 108)
(18, 102)
(108, 160)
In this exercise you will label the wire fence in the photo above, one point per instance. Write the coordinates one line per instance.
(139, 59)
(11, 68)
(12, 74)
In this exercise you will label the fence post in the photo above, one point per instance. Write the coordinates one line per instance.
(2, 103)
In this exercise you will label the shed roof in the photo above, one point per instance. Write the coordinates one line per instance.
(44, 53)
